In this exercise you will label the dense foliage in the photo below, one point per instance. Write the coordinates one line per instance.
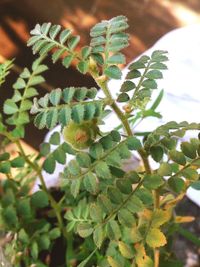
(105, 215)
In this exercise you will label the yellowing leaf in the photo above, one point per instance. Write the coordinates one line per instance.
(173, 202)
(155, 238)
(141, 258)
(125, 250)
(112, 262)
(184, 219)
(159, 217)
(135, 235)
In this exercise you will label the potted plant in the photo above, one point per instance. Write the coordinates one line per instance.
(102, 214)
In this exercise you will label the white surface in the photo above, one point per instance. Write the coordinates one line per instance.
(181, 85)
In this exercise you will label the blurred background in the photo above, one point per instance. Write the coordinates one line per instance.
(148, 19)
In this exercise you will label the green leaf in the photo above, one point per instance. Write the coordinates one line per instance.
(54, 30)
(36, 80)
(190, 173)
(40, 120)
(96, 151)
(165, 169)
(23, 236)
(40, 69)
(24, 208)
(78, 113)
(177, 157)
(18, 162)
(189, 150)
(123, 97)
(4, 156)
(113, 72)
(85, 51)
(57, 54)
(5, 167)
(65, 115)
(126, 218)
(154, 74)
(176, 184)
(124, 152)
(113, 230)
(98, 236)
(64, 35)
(127, 86)
(102, 170)
(149, 83)
(20, 84)
(10, 216)
(152, 181)
(55, 96)
(105, 204)
(158, 66)
(113, 159)
(25, 105)
(83, 66)
(196, 185)
(133, 74)
(39, 199)
(49, 164)
(114, 195)
(55, 139)
(124, 185)
(133, 143)
(84, 229)
(73, 41)
(91, 183)
(59, 155)
(52, 118)
(54, 233)
(68, 94)
(134, 204)
(75, 187)
(96, 213)
(44, 242)
(118, 58)
(116, 137)
(157, 153)
(34, 250)
(74, 168)
(137, 64)
(155, 238)
(10, 107)
(45, 149)
(67, 61)
(83, 159)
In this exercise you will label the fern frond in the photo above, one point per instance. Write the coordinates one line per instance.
(19, 105)
(108, 38)
(61, 106)
(5, 70)
(47, 37)
(142, 79)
